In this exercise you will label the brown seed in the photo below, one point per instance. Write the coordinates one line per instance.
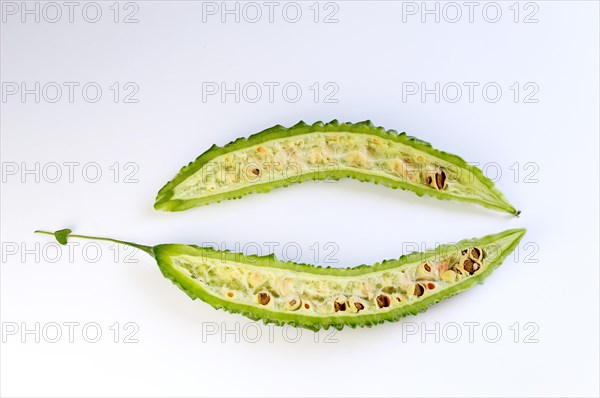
(256, 172)
(293, 302)
(229, 294)
(264, 298)
(440, 179)
(468, 264)
(475, 253)
(418, 290)
(359, 307)
(464, 251)
(429, 180)
(383, 301)
(427, 267)
(339, 306)
(431, 286)
(307, 306)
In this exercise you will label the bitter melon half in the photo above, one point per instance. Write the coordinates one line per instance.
(262, 287)
(281, 156)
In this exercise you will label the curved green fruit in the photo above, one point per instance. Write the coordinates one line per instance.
(315, 297)
(281, 156)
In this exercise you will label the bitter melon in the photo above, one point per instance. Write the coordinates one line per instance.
(262, 287)
(281, 156)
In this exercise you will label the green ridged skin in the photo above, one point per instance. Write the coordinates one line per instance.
(264, 288)
(281, 156)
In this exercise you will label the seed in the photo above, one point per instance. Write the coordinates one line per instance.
(307, 306)
(256, 172)
(427, 267)
(264, 298)
(383, 301)
(440, 179)
(339, 306)
(418, 290)
(429, 180)
(293, 304)
(475, 253)
(465, 251)
(431, 286)
(229, 294)
(359, 306)
(468, 264)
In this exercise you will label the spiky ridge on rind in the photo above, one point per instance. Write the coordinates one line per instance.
(164, 199)
(164, 253)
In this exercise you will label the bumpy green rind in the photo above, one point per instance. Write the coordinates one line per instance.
(504, 243)
(165, 200)
(164, 253)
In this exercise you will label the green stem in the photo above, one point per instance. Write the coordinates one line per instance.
(147, 249)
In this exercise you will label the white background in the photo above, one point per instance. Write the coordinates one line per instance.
(550, 288)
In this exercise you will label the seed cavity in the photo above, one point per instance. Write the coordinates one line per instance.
(293, 304)
(418, 290)
(476, 253)
(264, 298)
(440, 180)
(470, 266)
(424, 272)
(383, 301)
